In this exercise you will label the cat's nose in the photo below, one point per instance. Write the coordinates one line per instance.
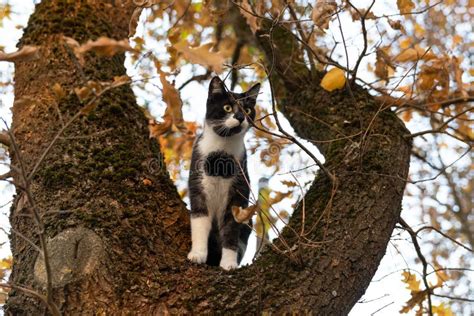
(239, 116)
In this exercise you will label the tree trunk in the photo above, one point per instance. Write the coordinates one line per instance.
(118, 244)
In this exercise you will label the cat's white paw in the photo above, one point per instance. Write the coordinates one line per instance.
(229, 259)
(198, 256)
(229, 265)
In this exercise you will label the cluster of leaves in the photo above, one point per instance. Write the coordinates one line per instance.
(418, 296)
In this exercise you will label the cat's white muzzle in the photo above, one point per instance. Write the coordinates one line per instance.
(231, 122)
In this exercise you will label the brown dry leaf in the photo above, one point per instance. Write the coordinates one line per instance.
(157, 129)
(333, 79)
(289, 184)
(201, 55)
(396, 25)
(280, 196)
(252, 20)
(243, 215)
(25, 54)
(405, 6)
(407, 115)
(173, 101)
(414, 54)
(58, 91)
(363, 12)
(416, 299)
(383, 64)
(82, 92)
(146, 182)
(120, 80)
(322, 12)
(105, 46)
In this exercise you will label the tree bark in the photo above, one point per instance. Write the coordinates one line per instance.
(118, 245)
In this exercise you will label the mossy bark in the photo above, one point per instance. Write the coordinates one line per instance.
(92, 180)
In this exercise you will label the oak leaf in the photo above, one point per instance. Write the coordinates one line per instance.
(442, 310)
(243, 215)
(105, 46)
(201, 55)
(250, 17)
(405, 6)
(414, 54)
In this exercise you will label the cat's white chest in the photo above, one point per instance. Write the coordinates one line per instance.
(217, 194)
(217, 189)
(210, 141)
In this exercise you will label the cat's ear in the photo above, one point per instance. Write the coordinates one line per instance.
(252, 93)
(216, 86)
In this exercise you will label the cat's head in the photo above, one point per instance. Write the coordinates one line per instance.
(229, 113)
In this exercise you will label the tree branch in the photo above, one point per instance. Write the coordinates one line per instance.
(4, 139)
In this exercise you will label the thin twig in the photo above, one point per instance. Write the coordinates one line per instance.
(364, 33)
(4, 139)
(424, 263)
(39, 223)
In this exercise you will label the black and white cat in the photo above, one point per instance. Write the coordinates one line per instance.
(218, 177)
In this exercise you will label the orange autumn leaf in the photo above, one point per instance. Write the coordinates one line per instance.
(201, 55)
(333, 79)
(405, 6)
(105, 46)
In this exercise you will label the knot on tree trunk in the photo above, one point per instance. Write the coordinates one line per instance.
(72, 254)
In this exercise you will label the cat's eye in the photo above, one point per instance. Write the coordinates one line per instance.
(227, 108)
(248, 111)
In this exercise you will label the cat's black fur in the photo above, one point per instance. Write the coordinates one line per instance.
(217, 158)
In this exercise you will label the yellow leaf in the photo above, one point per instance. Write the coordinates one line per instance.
(410, 279)
(419, 30)
(333, 79)
(456, 40)
(201, 55)
(5, 11)
(6, 263)
(405, 43)
(442, 310)
(441, 275)
(405, 6)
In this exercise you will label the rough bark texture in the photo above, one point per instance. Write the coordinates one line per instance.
(137, 235)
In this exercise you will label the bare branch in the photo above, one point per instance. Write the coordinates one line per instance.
(39, 223)
(364, 33)
(5, 176)
(424, 263)
(4, 139)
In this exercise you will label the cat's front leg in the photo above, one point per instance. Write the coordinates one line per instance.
(200, 228)
(230, 240)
